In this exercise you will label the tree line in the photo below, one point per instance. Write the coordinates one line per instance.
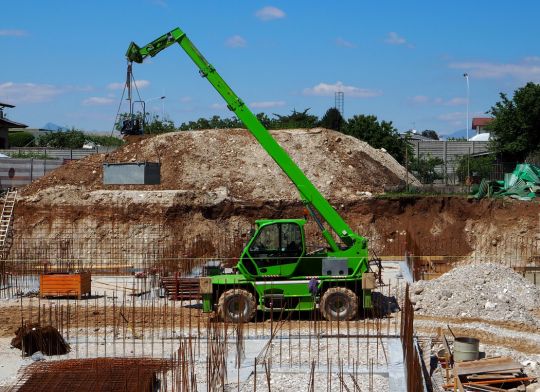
(515, 131)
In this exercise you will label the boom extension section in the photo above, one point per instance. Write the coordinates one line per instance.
(308, 192)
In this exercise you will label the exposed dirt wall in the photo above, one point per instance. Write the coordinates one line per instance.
(130, 227)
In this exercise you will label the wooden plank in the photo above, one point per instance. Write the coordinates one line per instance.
(518, 379)
(501, 364)
(490, 376)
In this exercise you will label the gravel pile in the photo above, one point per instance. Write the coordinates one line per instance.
(231, 162)
(487, 291)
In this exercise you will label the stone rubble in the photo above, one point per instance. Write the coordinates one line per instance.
(486, 291)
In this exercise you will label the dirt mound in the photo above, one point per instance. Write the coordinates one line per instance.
(486, 291)
(232, 162)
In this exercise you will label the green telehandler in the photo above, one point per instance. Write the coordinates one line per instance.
(275, 271)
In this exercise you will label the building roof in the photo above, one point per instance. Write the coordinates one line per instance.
(481, 121)
(6, 105)
(413, 136)
(481, 137)
(5, 123)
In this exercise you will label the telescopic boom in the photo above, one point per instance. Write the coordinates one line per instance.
(309, 194)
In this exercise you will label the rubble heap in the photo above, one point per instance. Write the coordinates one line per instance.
(232, 163)
(486, 291)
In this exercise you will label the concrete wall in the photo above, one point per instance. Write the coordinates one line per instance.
(449, 151)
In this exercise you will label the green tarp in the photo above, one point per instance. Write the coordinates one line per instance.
(522, 184)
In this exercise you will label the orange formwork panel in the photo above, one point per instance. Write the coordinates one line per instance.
(64, 284)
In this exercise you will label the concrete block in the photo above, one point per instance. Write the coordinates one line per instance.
(132, 173)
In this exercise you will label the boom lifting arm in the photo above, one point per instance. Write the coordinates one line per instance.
(309, 194)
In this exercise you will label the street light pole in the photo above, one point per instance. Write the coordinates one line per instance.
(162, 106)
(466, 75)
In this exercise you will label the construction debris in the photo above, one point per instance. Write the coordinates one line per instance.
(491, 374)
(522, 184)
(487, 291)
(32, 338)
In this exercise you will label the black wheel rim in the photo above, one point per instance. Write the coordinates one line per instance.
(338, 305)
(237, 307)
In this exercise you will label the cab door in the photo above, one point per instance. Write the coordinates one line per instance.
(277, 248)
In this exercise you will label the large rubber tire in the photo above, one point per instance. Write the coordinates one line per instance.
(339, 303)
(236, 306)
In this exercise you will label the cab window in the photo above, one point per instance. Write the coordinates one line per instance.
(278, 243)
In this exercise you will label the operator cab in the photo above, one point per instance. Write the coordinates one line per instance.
(275, 248)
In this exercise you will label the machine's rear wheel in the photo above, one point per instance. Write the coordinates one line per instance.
(237, 306)
(339, 303)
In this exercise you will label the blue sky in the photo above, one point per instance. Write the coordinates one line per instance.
(403, 61)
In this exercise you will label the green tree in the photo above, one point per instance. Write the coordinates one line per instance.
(20, 139)
(156, 125)
(73, 138)
(104, 140)
(379, 135)
(215, 122)
(474, 166)
(295, 120)
(430, 133)
(515, 130)
(264, 119)
(423, 167)
(332, 119)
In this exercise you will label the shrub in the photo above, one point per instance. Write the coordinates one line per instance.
(21, 139)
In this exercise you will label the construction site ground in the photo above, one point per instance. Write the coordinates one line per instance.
(214, 184)
(159, 324)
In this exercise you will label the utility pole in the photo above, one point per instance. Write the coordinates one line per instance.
(466, 75)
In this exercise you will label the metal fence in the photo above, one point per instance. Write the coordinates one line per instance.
(60, 153)
(16, 172)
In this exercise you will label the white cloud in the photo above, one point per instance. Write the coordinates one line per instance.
(269, 13)
(324, 89)
(267, 104)
(13, 33)
(528, 70)
(457, 101)
(186, 99)
(96, 101)
(394, 39)
(419, 99)
(454, 118)
(218, 106)
(236, 41)
(120, 85)
(344, 43)
(423, 99)
(29, 92)
(532, 59)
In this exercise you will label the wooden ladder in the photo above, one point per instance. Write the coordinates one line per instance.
(6, 219)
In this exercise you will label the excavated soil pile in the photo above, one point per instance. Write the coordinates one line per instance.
(487, 291)
(215, 183)
(232, 163)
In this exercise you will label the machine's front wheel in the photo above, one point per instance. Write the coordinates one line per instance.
(339, 303)
(237, 306)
